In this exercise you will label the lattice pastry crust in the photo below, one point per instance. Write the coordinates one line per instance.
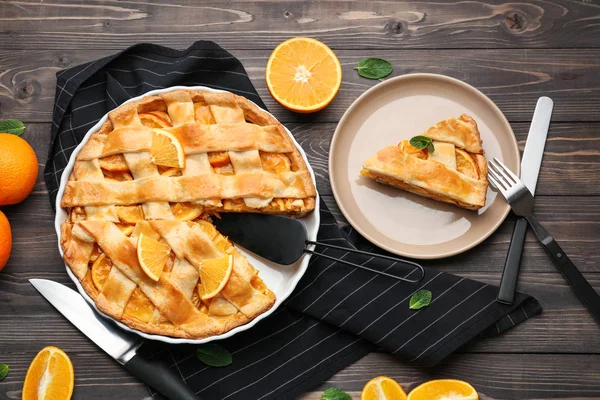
(237, 159)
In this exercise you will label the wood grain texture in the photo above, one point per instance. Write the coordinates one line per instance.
(513, 52)
(263, 24)
(513, 80)
(495, 376)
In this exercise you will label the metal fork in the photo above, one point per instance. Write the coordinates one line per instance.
(521, 201)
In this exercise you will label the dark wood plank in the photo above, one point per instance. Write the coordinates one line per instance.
(513, 80)
(97, 376)
(494, 376)
(263, 24)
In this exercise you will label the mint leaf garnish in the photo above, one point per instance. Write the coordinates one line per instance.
(420, 299)
(374, 68)
(421, 142)
(335, 394)
(13, 126)
(213, 355)
(4, 368)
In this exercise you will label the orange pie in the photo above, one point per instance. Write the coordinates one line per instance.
(139, 202)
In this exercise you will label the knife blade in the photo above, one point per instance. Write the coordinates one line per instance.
(121, 346)
(530, 168)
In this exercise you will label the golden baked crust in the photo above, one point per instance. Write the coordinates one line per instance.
(417, 173)
(237, 159)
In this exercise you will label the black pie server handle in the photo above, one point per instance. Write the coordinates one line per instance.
(160, 377)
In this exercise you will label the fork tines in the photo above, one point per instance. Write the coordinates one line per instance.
(500, 176)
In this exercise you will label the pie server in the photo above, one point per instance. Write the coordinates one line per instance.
(284, 240)
(120, 345)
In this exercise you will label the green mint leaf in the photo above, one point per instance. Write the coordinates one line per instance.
(213, 355)
(3, 371)
(335, 394)
(420, 299)
(374, 68)
(13, 126)
(422, 142)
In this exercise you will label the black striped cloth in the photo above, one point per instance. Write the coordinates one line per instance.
(338, 313)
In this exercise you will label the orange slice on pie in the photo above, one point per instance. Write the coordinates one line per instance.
(218, 158)
(100, 270)
(152, 256)
(186, 211)
(303, 74)
(382, 388)
(214, 274)
(156, 119)
(50, 376)
(444, 389)
(166, 150)
(276, 163)
(465, 164)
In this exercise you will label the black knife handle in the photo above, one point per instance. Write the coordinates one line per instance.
(160, 377)
(508, 283)
(580, 285)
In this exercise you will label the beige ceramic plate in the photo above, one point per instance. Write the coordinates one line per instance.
(398, 221)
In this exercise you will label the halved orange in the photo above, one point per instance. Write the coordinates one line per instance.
(303, 74)
(214, 275)
(382, 388)
(50, 376)
(444, 389)
(100, 270)
(166, 149)
(465, 164)
(186, 211)
(152, 256)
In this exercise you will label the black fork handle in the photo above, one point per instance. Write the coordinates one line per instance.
(512, 264)
(580, 285)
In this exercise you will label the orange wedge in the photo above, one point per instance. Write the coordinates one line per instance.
(100, 270)
(214, 275)
(382, 388)
(444, 389)
(186, 211)
(50, 376)
(166, 150)
(465, 164)
(303, 74)
(152, 256)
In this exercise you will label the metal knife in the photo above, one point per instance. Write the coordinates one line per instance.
(120, 345)
(530, 168)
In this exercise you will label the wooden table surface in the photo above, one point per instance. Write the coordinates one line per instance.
(512, 51)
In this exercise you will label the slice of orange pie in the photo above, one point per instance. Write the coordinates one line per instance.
(444, 163)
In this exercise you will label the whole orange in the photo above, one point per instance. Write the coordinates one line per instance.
(5, 240)
(18, 169)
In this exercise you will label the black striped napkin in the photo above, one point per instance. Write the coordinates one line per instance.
(338, 313)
